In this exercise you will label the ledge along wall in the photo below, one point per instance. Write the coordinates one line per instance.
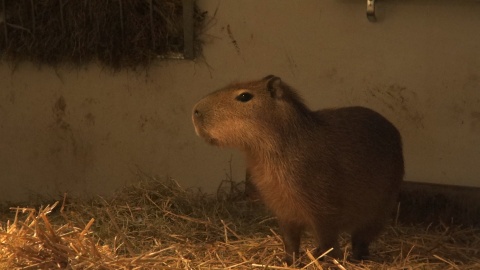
(90, 131)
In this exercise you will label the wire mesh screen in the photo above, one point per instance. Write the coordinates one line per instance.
(117, 33)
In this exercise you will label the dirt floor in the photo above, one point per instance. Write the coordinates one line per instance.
(159, 225)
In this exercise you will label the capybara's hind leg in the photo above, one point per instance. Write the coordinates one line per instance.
(361, 240)
(291, 233)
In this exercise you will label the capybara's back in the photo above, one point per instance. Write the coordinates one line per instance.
(331, 171)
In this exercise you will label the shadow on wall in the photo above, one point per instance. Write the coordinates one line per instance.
(429, 203)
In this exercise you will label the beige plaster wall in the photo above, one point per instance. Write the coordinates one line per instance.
(89, 131)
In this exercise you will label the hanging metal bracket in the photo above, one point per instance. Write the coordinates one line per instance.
(371, 10)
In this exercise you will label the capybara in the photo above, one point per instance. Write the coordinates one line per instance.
(330, 171)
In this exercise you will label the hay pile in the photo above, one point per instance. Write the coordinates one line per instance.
(119, 34)
(159, 225)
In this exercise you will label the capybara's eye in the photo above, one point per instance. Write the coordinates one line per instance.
(244, 97)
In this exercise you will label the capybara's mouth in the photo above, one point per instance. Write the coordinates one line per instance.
(212, 141)
(208, 138)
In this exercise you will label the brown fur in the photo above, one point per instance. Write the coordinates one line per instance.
(331, 171)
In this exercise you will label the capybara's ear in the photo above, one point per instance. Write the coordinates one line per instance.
(274, 86)
(267, 78)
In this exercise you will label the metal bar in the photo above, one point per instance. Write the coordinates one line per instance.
(188, 29)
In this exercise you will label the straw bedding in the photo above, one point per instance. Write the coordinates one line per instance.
(159, 225)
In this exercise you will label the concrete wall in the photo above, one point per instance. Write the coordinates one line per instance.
(89, 131)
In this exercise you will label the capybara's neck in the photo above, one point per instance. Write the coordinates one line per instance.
(288, 147)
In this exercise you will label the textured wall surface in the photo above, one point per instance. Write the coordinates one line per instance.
(89, 131)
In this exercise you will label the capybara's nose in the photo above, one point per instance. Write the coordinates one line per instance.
(197, 113)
